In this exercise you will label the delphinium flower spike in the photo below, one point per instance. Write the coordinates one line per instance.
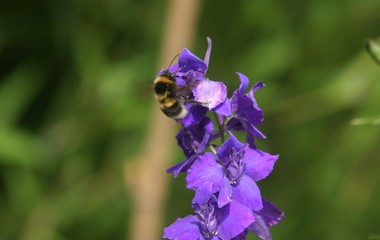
(227, 201)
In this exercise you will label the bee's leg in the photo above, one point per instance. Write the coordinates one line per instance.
(195, 102)
(191, 101)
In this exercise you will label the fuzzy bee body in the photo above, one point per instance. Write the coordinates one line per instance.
(167, 93)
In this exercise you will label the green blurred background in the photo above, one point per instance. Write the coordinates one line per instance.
(74, 108)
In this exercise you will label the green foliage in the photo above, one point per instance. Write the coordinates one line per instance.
(75, 99)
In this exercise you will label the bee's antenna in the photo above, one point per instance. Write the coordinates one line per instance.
(173, 60)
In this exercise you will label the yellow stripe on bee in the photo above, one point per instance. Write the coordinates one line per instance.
(161, 97)
(168, 102)
(163, 79)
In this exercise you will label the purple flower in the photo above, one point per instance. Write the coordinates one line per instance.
(191, 72)
(268, 216)
(200, 93)
(247, 114)
(211, 222)
(193, 140)
(213, 94)
(227, 201)
(233, 173)
(190, 69)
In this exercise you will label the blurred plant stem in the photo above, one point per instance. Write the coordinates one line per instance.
(373, 49)
(145, 174)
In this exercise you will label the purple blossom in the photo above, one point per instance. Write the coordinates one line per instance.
(268, 216)
(212, 222)
(246, 112)
(212, 94)
(193, 140)
(233, 173)
(227, 201)
(191, 71)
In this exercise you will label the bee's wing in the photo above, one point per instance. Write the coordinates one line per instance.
(183, 92)
(186, 90)
(143, 88)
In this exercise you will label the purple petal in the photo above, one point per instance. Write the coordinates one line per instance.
(268, 216)
(213, 238)
(248, 193)
(188, 61)
(258, 164)
(191, 78)
(208, 51)
(183, 228)
(260, 228)
(224, 108)
(173, 68)
(251, 141)
(244, 81)
(204, 192)
(231, 143)
(233, 219)
(235, 124)
(180, 81)
(245, 107)
(195, 138)
(241, 236)
(205, 169)
(182, 166)
(196, 114)
(182, 141)
(257, 114)
(225, 193)
(210, 93)
(256, 87)
(271, 214)
(208, 127)
(250, 128)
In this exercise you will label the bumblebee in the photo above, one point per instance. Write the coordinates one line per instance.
(170, 96)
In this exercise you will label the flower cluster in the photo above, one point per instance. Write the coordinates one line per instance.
(227, 201)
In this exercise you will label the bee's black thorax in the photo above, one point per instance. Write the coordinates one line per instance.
(160, 88)
(165, 84)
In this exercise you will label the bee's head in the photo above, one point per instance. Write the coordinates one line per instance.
(168, 74)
